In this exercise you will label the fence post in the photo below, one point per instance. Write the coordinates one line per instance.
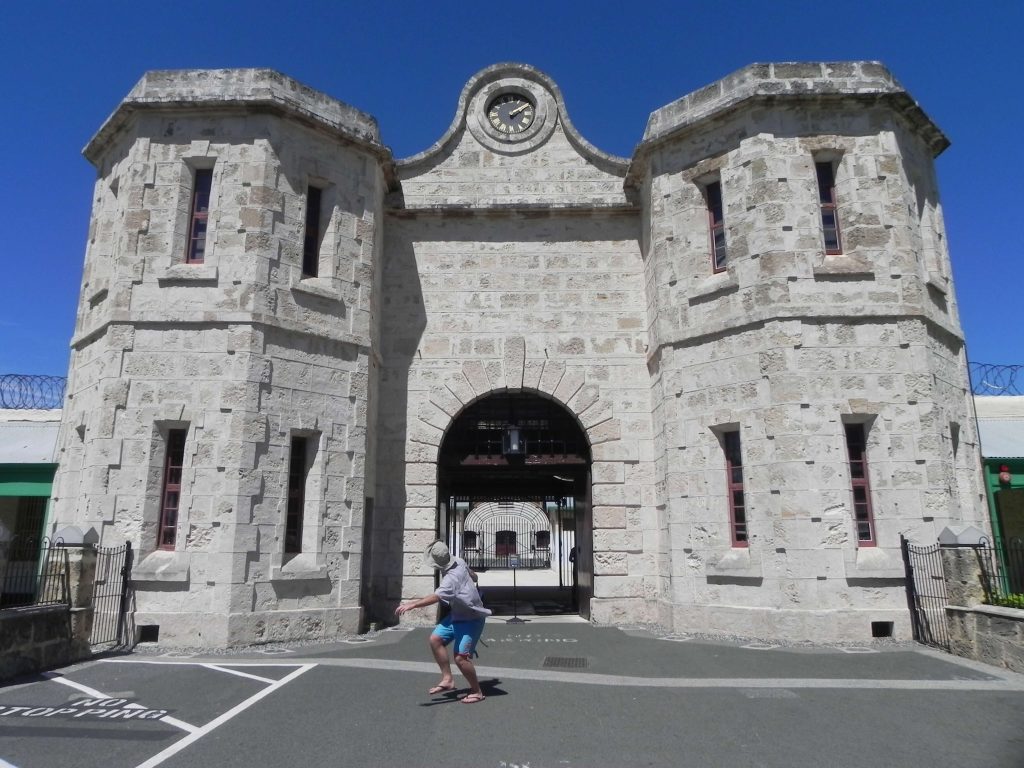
(126, 576)
(965, 577)
(81, 584)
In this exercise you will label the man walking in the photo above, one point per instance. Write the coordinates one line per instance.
(462, 626)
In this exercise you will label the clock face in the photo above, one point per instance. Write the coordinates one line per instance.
(511, 113)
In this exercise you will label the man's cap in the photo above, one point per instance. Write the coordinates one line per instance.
(438, 556)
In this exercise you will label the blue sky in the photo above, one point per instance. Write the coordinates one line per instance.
(67, 65)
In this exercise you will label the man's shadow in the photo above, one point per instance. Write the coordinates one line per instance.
(489, 687)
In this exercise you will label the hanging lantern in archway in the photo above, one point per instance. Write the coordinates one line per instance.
(512, 441)
(1004, 474)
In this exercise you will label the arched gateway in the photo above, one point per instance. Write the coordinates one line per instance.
(514, 494)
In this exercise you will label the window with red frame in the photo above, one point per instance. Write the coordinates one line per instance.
(170, 497)
(298, 467)
(311, 241)
(734, 483)
(716, 225)
(201, 183)
(863, 516)
(827, 200)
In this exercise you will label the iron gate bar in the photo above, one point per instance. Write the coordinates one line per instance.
(33, 571)
(110, 595)
(926, 593)
(478, 543)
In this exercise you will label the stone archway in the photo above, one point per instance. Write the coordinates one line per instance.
(514, 501)
(611, 489)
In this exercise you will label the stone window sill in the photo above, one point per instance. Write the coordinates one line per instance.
(189, 273)
(302, 567)
(844, 268)
(322, 287)
(874, 563)
(162, 566)
(735, 562)
(937, 283)
(713, 287)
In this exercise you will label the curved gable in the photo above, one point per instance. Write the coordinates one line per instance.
(546, 163)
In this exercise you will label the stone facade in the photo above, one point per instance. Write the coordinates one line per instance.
(523, 261)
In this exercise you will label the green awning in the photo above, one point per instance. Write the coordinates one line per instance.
(27, 479)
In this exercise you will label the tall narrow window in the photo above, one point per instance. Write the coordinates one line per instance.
(734, 482)
(716, 225)
(311, 242)
(298, 467)
(201, 183)
(864, 519)
(827, 200)
(170, 498)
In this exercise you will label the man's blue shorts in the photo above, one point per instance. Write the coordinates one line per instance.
(464, 633)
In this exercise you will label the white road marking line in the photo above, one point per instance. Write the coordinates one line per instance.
(5, 764)
(239, 673)
(57, 678)
(1010, 682)
(215, 723)
(198, 661)
(187, 727)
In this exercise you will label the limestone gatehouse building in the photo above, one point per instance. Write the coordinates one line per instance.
(705, 387)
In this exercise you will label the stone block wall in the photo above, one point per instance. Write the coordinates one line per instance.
(34, 639)
(788, 343)
(242, 351)
(987, 633)
(551, 304)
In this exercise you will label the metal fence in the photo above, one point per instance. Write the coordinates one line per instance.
(1002, 569)
(33, 572)
(22, 391)
(503, 544)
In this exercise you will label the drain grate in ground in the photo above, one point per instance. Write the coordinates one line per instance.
(564, 662)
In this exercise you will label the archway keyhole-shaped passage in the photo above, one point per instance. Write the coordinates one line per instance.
(514, 494)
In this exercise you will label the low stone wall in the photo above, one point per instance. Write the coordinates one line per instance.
(37, 638)
(987, 633)
(41, 637)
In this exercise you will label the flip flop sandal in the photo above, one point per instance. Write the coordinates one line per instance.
(473, 698)
(441, 689)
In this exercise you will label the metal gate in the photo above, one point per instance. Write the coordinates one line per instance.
(499, 544)
(110, 597)
(503, 539)
(926, 593)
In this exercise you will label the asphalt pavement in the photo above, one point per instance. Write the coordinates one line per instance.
(561, 693)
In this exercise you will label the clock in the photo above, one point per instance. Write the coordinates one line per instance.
(511, 113)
